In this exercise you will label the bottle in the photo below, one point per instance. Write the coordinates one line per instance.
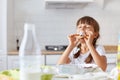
(118, 59)
(29, 55)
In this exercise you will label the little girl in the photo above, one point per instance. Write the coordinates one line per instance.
(82, 46)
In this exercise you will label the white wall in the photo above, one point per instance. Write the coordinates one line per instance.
(53, 25)
(3, 22)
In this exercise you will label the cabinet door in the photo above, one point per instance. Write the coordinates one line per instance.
(111, 61)
(42, 60)
(51, 59)
(3, 61)
(13, 62)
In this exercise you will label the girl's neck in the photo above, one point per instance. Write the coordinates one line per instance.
(84, 48)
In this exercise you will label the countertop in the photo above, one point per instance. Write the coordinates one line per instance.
(108, 49)
(44, 52)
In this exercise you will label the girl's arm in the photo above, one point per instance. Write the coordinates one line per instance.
(101, 61)
(64, 59)
(73, 41)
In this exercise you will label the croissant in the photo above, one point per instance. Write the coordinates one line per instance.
(82, 35)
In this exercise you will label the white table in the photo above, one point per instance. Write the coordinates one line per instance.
(86, 76)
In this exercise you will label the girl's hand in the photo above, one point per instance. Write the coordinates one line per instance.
(89, 38)
(74, 39)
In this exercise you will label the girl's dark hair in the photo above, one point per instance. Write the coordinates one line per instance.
(90, 21)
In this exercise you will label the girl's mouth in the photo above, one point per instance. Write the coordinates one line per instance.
(83, 35)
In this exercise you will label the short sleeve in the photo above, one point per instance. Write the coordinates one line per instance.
(100, 49)
(75, 50)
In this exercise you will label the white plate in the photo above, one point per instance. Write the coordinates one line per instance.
(77, 68)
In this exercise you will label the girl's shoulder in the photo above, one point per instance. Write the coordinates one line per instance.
(74, 51)
(100, 49)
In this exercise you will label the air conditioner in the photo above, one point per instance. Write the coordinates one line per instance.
(63, 4)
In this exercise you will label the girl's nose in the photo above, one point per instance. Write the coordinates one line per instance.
(83, 28)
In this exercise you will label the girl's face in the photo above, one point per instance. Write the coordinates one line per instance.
(84, 28)
(87, 30)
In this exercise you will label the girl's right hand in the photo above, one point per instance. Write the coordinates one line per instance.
(74, 39)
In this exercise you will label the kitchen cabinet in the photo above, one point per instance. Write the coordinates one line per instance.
(51, 59)
(111, 61)
(3, 62)
(13, 61)
(47, 58)
(42, 60)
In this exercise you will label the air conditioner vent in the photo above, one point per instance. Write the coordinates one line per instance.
(66, 3)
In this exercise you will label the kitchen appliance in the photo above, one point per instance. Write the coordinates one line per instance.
(56, 47)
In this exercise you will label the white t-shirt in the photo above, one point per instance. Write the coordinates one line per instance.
(80, 60)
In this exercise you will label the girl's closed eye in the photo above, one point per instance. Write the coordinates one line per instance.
(90, 28)
(79, 27)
